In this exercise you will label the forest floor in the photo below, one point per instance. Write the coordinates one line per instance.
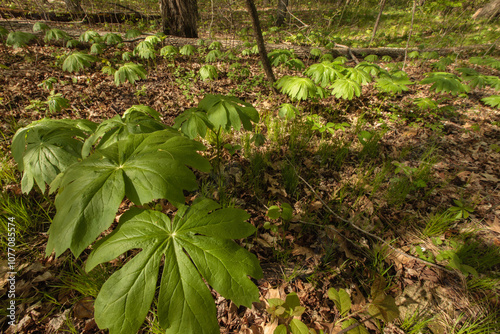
(426, 182)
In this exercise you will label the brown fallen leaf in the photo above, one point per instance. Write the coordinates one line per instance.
(84, 309)
(57, 322)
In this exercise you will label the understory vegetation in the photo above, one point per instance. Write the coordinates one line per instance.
(154, 185)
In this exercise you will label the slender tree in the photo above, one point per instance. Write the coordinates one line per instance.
(260, 41)
(382, 5)
(73, 6)
(281, 12)
(179, 17)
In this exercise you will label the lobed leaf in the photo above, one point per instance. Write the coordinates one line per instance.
(228, 111)
(47, 147)
(492, 101)
(135, 120)
(142, 167)
(196, 242)
(18, 39)
(77, 61)
(325, 72)
(297, 88)
(445, 82)
(346, 88)
(193, 122)
(130, 72)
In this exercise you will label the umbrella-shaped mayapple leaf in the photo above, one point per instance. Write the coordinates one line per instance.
(197, 243)
(142, 167)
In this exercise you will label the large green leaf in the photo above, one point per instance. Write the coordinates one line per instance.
(19, 39)
(136, 119)
(47, 147)
(445, 82)
(345, 88)
(193, 122)
(142, 167)
(393, 84)
(195, 244)
(229, 111)
(325, 72)
(77, 61)
(341, 299)
(298, 88)
(130, 72)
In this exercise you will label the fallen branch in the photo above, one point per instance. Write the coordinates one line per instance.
(385, 243)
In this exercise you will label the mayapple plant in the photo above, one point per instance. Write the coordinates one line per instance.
(94, 167)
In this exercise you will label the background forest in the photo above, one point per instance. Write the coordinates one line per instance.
(162, 173)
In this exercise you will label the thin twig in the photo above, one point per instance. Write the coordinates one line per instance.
(385, 243)
(411, 30)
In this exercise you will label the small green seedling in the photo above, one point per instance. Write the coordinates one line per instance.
(462, 209)
(289, 312)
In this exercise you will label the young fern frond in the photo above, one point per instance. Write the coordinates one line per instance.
(297, 88)
(130, 72)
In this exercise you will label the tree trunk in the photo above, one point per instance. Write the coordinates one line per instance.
(73, 6)
(179, 17)
(489, 11)
(282, 12)
(382, 5)
(260, 41)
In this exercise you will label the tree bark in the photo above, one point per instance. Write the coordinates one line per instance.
(260, 41)
(382, 5)
(282, 12)
(73, 6)
(489, 11)
(179, 17)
